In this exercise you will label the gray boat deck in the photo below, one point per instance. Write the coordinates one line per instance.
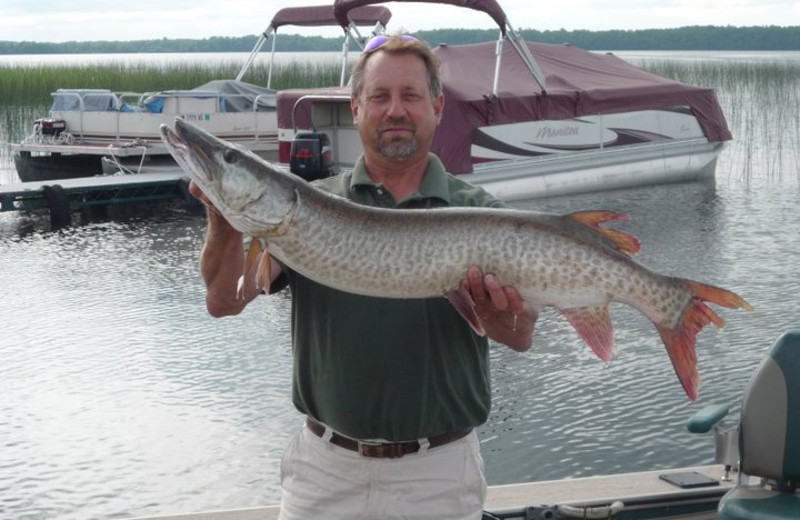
(601, 489)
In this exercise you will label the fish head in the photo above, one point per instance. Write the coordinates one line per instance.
(255, 196)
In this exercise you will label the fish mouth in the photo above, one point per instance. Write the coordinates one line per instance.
(173, 140)
(192, 147)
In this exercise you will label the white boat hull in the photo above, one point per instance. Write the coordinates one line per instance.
(597, 170)
(550, 158)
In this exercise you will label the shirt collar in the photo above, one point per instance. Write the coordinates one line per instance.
(434, 184)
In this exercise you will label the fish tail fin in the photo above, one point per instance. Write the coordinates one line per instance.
(680, 340)
(619, 240)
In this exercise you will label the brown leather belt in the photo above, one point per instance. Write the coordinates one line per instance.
(384, 450)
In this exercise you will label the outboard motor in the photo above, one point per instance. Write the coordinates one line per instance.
(49, 126)
(310, 156)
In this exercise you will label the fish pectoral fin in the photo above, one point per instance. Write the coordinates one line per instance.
(594, 326)
(462, 301)
(264, 272)
(257, 258)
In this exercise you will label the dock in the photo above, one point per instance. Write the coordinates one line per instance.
(61, 197)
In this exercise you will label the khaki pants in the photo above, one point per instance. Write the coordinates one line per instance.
(322, 480)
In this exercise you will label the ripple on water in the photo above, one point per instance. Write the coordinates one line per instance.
(122, 397)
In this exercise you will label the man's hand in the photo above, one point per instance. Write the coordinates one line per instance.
(501, 309)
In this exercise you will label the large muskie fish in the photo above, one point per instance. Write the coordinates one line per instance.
(566, 261)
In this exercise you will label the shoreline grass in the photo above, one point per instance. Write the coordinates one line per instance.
(25, 85)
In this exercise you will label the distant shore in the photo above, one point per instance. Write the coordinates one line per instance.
(694, 38)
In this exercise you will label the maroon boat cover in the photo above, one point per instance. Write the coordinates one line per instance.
(322, 16)
(579, 83)
(490, 7)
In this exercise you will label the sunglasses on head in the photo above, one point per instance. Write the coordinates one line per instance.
(380, 39)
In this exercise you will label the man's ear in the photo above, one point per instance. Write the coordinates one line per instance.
(438, 107)
(354, 108)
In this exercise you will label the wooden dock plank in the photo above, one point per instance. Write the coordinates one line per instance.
(61, 197)
(97, 181)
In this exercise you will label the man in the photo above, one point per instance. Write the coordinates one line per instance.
(392, 388)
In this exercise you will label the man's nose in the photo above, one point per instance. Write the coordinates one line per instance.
(396, 106)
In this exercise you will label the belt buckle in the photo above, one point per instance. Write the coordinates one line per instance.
(380, 450)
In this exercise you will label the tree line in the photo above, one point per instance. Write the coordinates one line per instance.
(697, 38)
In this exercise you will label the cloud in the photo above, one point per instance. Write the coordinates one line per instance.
(53, 20)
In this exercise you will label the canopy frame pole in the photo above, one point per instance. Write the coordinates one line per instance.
(498, 56)
(256, 49)
(271, 61)
(525, 54)
(345, 49)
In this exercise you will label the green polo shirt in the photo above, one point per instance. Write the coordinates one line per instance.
(382, 368)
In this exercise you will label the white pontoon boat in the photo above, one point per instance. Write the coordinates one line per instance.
(85, 126)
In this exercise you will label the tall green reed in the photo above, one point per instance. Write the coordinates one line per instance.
(24, 85)
(761, 102)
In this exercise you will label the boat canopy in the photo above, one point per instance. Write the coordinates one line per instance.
(322, 16)
(241, 96)
(579, 83)
(344, 9)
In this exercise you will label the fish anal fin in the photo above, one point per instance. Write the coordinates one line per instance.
(681, 339)
(462, 301)
(594, 326)
(621, 241)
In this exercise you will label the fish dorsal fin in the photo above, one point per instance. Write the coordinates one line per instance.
(594, 326)
(463, 303)
(619, 240)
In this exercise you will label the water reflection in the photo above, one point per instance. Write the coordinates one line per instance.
(120, 394)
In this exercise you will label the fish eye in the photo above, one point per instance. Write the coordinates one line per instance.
(230, 156)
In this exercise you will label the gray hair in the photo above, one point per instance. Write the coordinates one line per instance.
(399, 44)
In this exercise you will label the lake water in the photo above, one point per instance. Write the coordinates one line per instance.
(121, 397)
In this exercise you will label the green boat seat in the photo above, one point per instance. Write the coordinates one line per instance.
(769, 440)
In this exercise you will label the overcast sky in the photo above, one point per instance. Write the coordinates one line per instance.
(82, 20)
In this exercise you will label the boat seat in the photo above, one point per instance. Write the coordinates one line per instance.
(769, 440)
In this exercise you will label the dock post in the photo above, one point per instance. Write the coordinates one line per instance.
(6, 203)
(58, 202)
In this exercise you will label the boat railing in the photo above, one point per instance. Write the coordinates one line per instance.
(78, 98)
(175, 102)
(309, 100)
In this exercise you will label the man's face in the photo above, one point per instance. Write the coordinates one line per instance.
(396, 116)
